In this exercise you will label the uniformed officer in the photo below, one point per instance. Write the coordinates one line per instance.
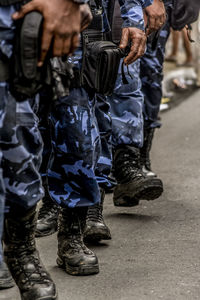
(21, 145)
(65, 169)
(126, 106)
(151, 72)
(147, 185)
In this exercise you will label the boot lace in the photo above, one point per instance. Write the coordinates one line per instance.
(34, 275)
(48, 208)
(73, 234)
(21, 254)
(95, 213)
(127, 167)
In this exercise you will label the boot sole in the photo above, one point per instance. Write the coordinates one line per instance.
(78, 271)
(6, 284)
(151, 190)
(94, 236)
(45, 298)
(42, 234)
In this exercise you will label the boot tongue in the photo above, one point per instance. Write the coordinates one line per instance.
(127, 164)
(95, 213)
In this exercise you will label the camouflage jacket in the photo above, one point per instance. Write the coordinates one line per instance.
(132, 12)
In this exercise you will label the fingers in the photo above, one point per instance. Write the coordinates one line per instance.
(24, 10)
(163, 18)
(137, 48)
(86, 16)
(158, 23)
(66, 46)
(74, 43)
(155, 23)
(47, 36)
(84, 24)
(132, 54)
(135, 53)
(152, 23)
(58, 46)
(124, 38)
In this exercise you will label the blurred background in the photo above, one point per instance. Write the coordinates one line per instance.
(181, 67)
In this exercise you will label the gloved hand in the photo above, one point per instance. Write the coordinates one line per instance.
(184, 12)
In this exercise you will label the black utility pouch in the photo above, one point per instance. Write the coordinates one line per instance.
(181, 18)
(26, 78)
(100, 65)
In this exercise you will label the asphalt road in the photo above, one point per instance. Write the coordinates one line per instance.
(155, 250)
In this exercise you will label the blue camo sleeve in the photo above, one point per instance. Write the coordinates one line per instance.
(146, 3)
(132, 12)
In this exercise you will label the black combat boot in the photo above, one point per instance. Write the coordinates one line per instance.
(73, 255)
(133, 184)
(47, 222)
(6, 280)
(95, 228)
(145, 152)
(23, 259)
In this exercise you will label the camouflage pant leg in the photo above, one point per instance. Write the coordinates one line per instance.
(71, 177)
(105, 129)
(20, 140)
(2, 187)
(2, 203)
(43, 113)
(21, 145)
(151, 74)
(126, 105)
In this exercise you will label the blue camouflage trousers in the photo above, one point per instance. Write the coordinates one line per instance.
(151, 74)
(70, 160)
(120, 120)
(43, 109)
(126, 105)
(104, 130)
(104, 122)
(2, 200)
(20, 139)
(20, 152)
(128, 111)
(75, 151)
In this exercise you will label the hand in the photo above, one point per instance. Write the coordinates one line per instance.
(137, 38)
(156, 16)
(61, 26)
(86, 16)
